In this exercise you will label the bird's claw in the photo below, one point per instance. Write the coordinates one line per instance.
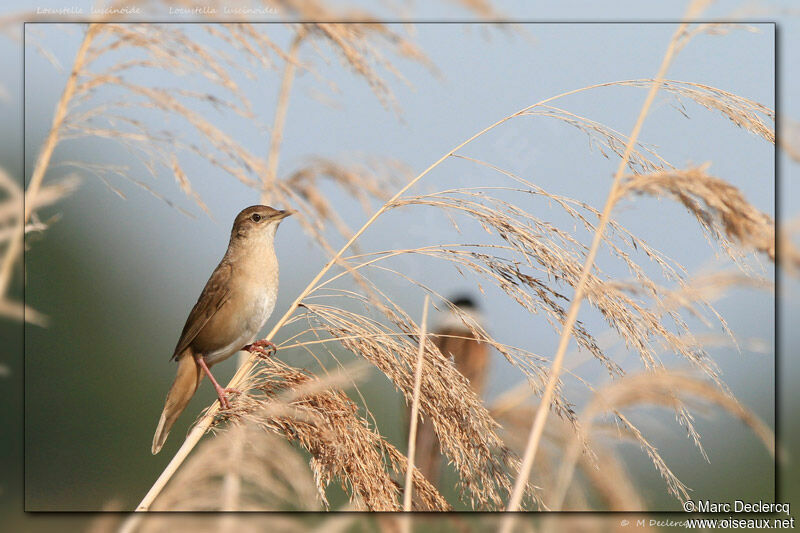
(222, 394)
(223, 402)
(262, 348)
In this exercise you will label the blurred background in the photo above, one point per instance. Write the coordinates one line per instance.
(116, 277)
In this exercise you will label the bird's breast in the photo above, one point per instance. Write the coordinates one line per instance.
(261, 302)
(256, 296)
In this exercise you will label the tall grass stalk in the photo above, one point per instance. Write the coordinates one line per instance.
(412, 432)
(555, 370)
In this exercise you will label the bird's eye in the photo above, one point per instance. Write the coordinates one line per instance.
(255, 217)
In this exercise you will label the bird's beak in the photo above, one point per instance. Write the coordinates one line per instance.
(283, 214)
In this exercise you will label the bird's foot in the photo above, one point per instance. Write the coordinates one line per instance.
(262, 348)
(222, 394)
(223, 400)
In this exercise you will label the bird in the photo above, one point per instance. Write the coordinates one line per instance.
(235, 304)
(456, 341)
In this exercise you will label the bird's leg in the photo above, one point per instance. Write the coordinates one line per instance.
(262, 348)
(221, 393)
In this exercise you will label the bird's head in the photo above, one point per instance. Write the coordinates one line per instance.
(257, 223)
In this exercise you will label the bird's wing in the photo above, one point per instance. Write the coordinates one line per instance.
(216, 292)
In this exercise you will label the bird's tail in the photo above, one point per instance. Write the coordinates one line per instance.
(182, 390)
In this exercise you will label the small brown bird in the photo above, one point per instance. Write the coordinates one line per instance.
(233, 307)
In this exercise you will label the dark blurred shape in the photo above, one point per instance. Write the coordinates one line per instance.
(456, 341)
(465, 302)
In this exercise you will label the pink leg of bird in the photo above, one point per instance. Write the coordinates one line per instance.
(221, 393)
(263, 348)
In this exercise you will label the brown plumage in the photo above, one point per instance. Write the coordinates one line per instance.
(183, 388)
(233, 307)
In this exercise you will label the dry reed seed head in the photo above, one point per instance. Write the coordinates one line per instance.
(328, 425)
(660, 387)
(643, 158)
(540, 245)
(154, 148)
(532, 365)
(378, 343)
(616, 237)
(362, 47)
(464, 428)
(129, 47)
(715, 28)
(744, 112)
(532, 294)
(648, 328)
(368, 180)
(721, 209)
(531, 240)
